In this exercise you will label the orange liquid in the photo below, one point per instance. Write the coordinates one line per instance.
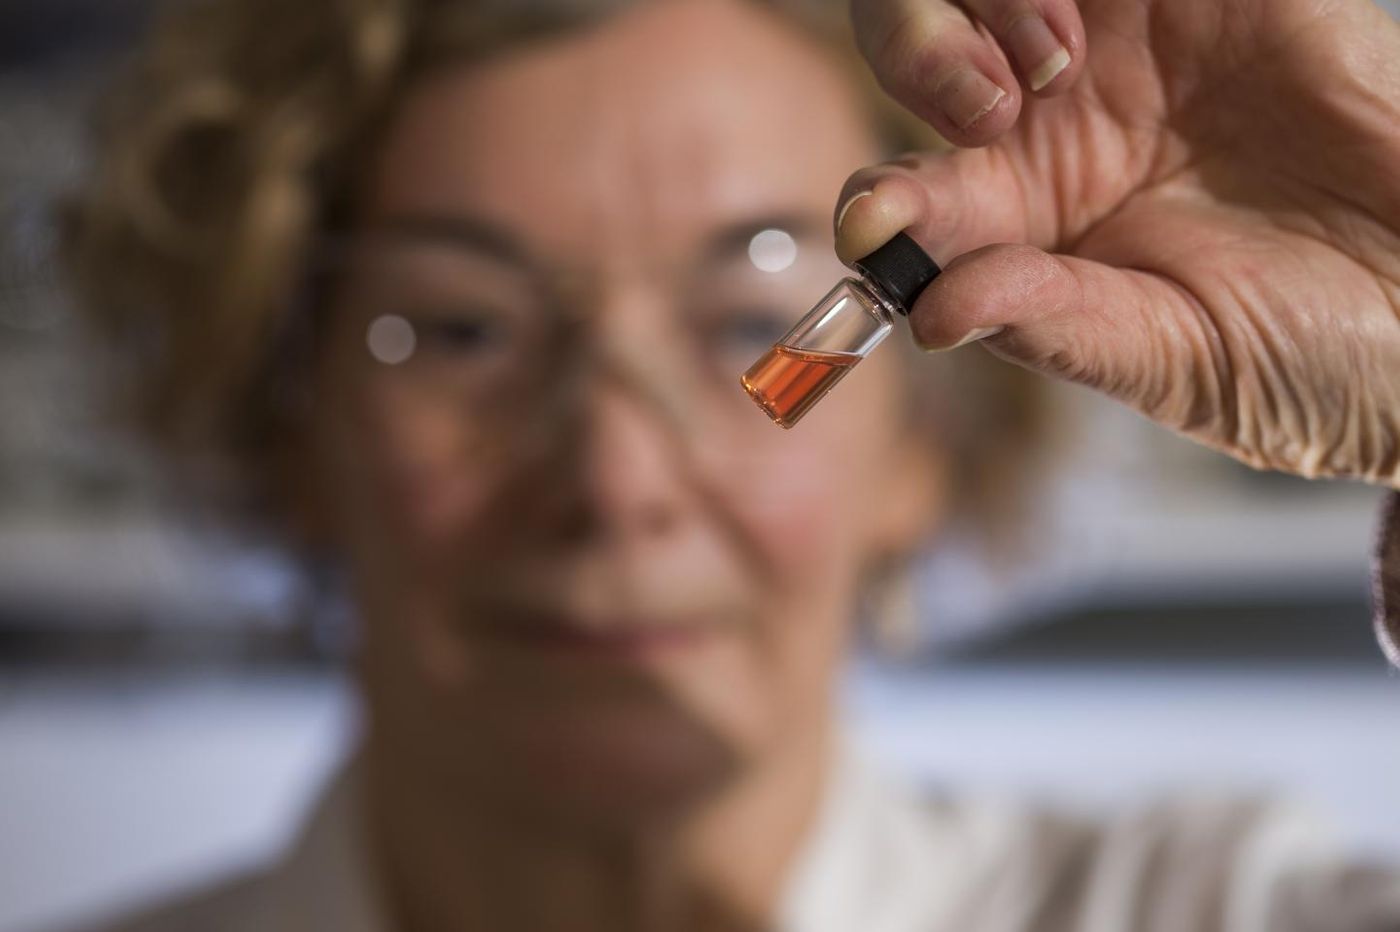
(788, 382)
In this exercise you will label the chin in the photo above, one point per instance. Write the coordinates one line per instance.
(586, 738)
(608, 763)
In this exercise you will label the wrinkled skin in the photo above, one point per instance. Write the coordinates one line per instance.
(1199, 215)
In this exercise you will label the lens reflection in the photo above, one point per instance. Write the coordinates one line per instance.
(772, 250)
(390, 339)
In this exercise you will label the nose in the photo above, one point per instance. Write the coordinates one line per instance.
(631, 483)
(616, 468)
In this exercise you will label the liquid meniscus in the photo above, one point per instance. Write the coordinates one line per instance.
(787, 382)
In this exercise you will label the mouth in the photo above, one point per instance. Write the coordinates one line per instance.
(622, 640)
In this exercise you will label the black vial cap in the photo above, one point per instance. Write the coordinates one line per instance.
(901, 268)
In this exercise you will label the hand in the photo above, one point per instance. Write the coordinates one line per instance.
(1219, 182)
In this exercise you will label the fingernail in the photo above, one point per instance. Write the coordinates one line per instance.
(977, 333)
(1036, 50)
(966, 96)
(841, 214)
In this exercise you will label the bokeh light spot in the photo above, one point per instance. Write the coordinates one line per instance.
(772, 250)
(391, 339)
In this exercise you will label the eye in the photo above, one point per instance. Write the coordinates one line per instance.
(751, 328)
(460, 333)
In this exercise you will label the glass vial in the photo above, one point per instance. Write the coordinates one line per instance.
(840, 331)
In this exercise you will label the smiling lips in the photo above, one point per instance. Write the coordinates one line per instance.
(613, 639)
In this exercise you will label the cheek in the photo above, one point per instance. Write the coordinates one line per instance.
(809, 504)
(799, 524)
(405, 483)
(412, 477)
(802, 506)
(807, 493)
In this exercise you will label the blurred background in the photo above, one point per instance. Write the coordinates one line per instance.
(171, 693)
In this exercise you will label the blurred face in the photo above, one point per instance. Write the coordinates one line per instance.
(593, 575)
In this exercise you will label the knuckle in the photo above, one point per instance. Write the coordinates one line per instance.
(905, 52)
(1001, 15)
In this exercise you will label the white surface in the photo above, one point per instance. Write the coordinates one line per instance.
(1112, 737)
(110, 794)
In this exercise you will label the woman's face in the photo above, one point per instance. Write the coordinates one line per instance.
(591, 572)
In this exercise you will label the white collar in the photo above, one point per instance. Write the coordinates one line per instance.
(877, 859)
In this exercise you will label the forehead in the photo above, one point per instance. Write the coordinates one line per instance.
(637, 135)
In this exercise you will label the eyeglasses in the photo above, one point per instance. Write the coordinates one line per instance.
(495, 341)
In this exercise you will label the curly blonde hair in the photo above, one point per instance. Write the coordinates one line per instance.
(238, 135)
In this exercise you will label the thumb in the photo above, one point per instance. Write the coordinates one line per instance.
(952, 201)
(1134, 335)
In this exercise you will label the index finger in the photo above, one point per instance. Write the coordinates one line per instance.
(952, 64)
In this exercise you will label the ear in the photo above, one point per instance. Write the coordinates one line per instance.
(912, 496)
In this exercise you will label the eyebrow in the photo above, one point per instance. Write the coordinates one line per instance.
(464, 231)
(478, 234)
(732, 240)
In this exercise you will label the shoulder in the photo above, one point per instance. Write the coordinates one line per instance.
(1210, 863)
(1242, 865)
(238, 904)
(322, 880)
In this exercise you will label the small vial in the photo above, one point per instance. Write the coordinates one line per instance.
(839, 331)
